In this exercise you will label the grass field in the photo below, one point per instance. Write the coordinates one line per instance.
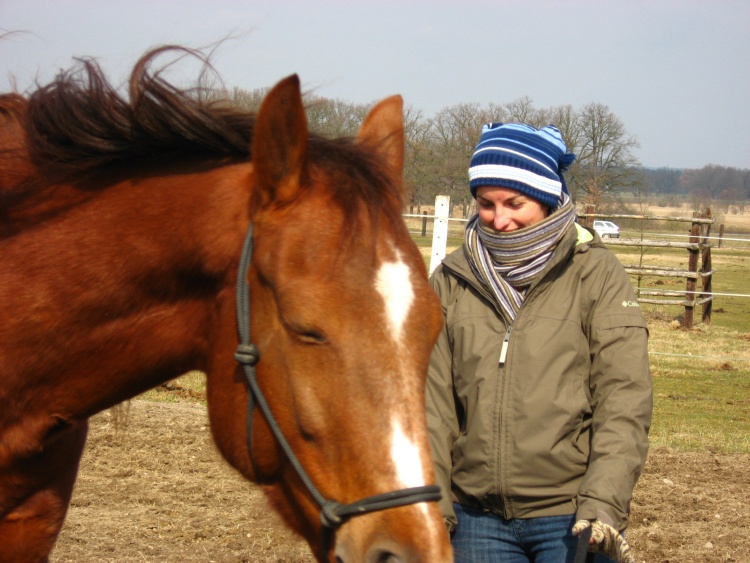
(701, 375)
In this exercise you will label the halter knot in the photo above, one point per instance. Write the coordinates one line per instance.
(329, 514)
(247, 354)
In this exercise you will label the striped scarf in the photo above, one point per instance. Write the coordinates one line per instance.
(507, 263)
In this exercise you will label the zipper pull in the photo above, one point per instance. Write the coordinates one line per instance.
(504, 349)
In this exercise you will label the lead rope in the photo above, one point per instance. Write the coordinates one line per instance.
(332, 513)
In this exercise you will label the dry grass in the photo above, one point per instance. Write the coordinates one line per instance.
(155, 490)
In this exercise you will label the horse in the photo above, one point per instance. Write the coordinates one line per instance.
(134, 229)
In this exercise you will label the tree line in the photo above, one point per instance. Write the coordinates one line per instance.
(438, 150)
(710, 186)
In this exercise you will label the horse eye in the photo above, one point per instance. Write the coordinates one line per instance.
(306, 334)
(312, 337)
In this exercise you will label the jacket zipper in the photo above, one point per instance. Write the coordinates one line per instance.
(504, 349)
(501, 445)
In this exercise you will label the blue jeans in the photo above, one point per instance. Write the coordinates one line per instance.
(483, 537)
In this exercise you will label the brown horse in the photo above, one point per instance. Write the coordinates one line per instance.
(121, 227)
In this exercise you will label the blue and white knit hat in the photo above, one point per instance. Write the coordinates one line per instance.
(521, 158)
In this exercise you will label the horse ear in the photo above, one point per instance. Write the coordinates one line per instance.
(383, 129)
(279, 149)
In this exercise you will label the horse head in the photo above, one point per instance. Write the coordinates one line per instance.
(344, 322)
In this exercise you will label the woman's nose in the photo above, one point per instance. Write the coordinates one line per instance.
(501, 220)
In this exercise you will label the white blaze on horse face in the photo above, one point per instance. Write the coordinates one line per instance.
(408, 463)
(406, 458)
(393, 282)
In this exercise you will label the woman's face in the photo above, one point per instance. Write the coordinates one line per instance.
(505, 210)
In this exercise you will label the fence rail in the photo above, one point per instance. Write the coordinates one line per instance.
(672, 235)
(590, 214)
(654, 243)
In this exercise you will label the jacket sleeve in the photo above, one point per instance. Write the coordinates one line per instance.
(621, 397)
(441, 408)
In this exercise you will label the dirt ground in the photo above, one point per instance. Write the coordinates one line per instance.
(154, 489)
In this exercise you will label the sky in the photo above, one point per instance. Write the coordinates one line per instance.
(675, 72)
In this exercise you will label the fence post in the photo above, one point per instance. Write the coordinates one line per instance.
(424, 224)
(692, 268)
(706, 267)
(440, 230)
(721, 234)
(589, 222)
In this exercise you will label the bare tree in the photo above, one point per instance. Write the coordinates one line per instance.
(605, 160)
(419, 171)
(455, 131)
(334, 118)
(249, 100)
(566, 120)
(522, 111)
(439, 149)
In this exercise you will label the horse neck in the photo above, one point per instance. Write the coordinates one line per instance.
(120, 290)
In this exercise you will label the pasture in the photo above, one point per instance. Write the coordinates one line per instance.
(153, 488)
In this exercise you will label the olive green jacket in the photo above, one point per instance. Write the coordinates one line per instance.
(561, 425)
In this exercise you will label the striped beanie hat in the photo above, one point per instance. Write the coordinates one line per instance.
(521, 158)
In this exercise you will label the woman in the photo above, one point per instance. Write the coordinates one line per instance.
(539, 394)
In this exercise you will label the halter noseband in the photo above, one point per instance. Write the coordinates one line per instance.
(332, 513)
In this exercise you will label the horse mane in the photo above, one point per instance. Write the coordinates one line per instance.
(79, 122)
(79, 125)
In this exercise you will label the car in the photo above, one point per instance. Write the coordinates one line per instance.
(607, 229)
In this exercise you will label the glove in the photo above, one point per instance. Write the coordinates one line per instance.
(605, 540)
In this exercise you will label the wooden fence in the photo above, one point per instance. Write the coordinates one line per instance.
(699, 262)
